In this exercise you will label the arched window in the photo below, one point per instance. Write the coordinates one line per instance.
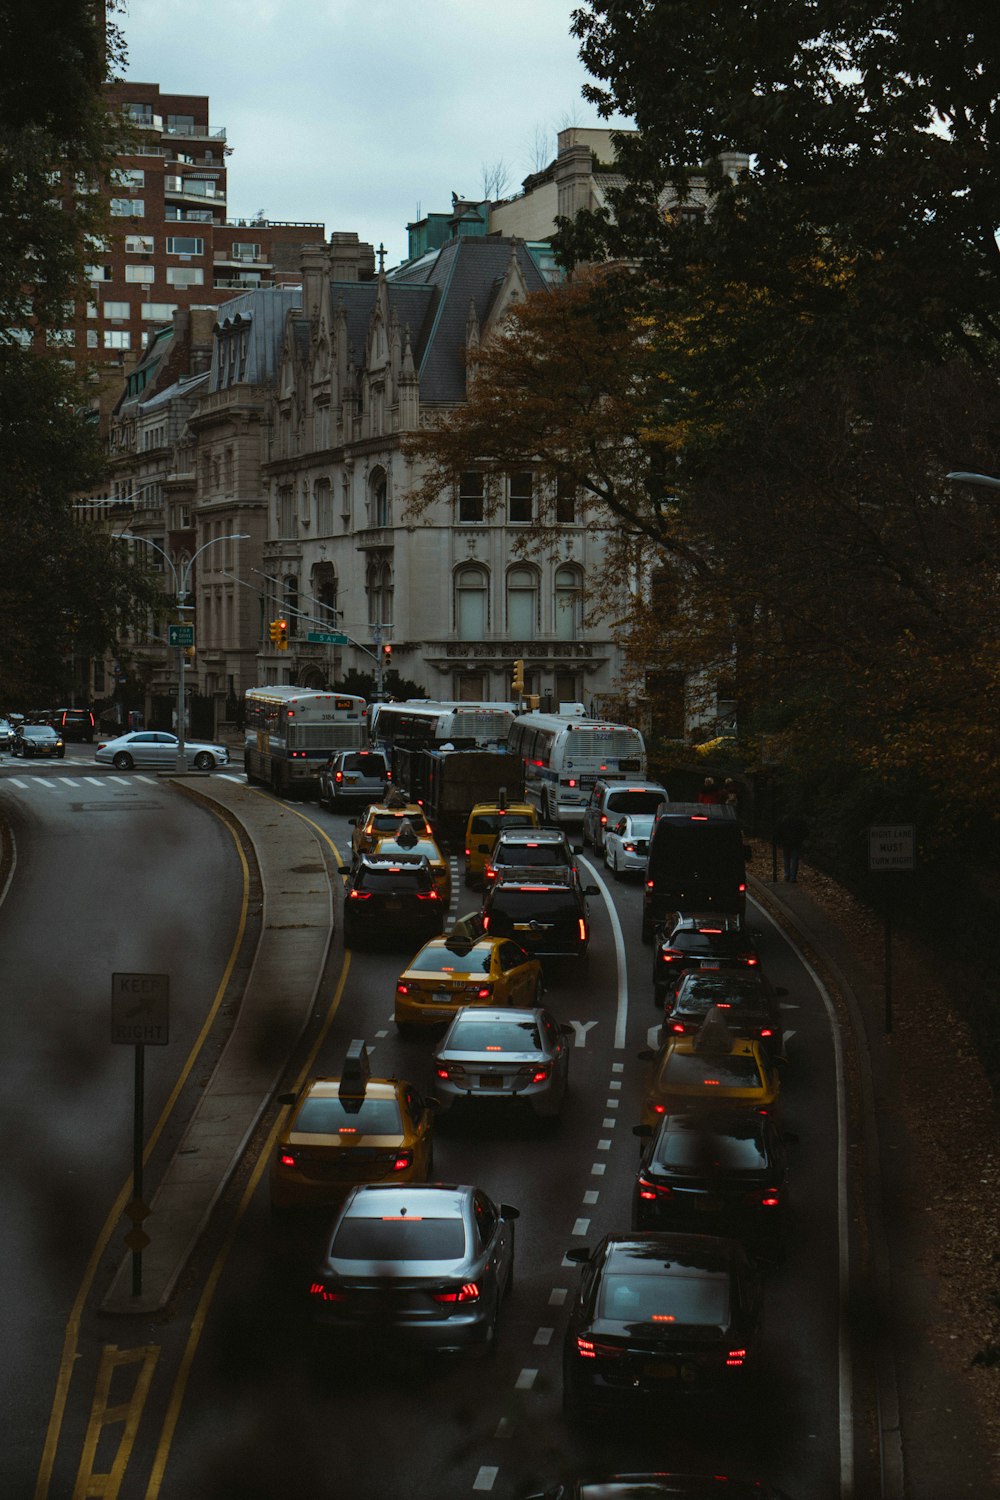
(569, 602)
(522, 603)
(380, 592)
(472, 614)
(378, 509)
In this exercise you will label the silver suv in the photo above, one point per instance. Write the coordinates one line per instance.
(350, 775)
(616, 800)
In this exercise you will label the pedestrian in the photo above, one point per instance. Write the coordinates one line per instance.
(730, 793)
(710, 794)
(789, 833)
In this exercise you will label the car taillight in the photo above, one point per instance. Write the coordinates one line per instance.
(750, 959)
(585, 1348)
(467, 1293)
(771, 1199)
(583, 930)
(468, 853)
(604, 819)
(325, 1293)
(659, 1109)
(403, 989)
(649, 885)
(388, 775)
(442, 1072)
(288, 1159)
(678, 1028)
(489, 873)
(403, 1159)
(766, 1031)
(360, 896)
(540, 1074)
(650, 1191)
(735, 1358)
(481, 991)
(668, 956)
(486, 924)
(629, 848)
(428, 896)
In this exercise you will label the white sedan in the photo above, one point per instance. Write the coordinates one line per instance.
(152, 747)
(626, 844)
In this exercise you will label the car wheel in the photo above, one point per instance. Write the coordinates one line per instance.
(123, 761)
(203, 761)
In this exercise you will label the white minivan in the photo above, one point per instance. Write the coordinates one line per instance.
(616, 800)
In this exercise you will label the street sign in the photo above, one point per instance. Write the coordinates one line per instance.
(180, 635)
(140, 1009)
(892, 846)
(326, 638)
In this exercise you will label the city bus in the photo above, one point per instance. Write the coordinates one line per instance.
(562, 755)
(291, 732)
(429, 724)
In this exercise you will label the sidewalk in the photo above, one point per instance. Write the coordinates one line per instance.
(931, 1434)
(296, 929)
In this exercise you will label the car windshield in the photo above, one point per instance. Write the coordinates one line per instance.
(637, 801)
(693, 1301)
(39, 732)
(402, 878)
(388, 822)
(496, 821)
(366, 761)
(331, 1116)
(707, 942)
(639, 828)
(471, 1035)
(710, 1070)
(447, 960)
(530, 855)
(688, 1148)
(398, 1238)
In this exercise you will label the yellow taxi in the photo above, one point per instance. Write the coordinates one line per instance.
(711, 1067)
(381, 819)
(487, 821)
(350, 1130)
(406, 840)
(454, 970)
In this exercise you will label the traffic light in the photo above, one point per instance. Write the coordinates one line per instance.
(518, 678)
(387, 655)
(274, 631)
(282, 641)
(190, 652)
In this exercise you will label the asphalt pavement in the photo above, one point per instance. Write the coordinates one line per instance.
(926, 1430)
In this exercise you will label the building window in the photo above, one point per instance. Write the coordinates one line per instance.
(185, 276)
(140, 273)
(569, 599)
(286, 511)
(127, 208)
(567, 688)
(181, 124)
(185, 244)
(472, 586)
(325, 591)
(565, 502)
(139, 244)
(92, 339)
(522, 603)
(141, 114)
(128, 177)
(520, 498)
(324, 507)
(471, 688)
(97, 273)
(245, 250)
(470, 497)
(379, 498)
(113, 339)
(379, 589)
(157, 312)
(117, 310)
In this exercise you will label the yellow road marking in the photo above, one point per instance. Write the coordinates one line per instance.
(90, 1485)
(72, 1333)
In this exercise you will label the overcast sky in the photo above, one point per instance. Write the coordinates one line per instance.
(367, 114)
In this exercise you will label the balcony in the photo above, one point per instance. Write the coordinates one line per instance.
(195, 132)
(192, 189)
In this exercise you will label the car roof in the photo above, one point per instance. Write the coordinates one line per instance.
(435, 1200)
(500, 1013)
(531, 836)
(329, 1088)
(715, 1120)
(656, 1251)
(379, 861)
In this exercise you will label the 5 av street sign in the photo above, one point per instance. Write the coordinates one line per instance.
(326, 638)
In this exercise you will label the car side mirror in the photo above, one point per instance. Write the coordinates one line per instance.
(508, 1211)
(643, 1131)
(287, 1098)
(646, 1055)
(579, 1255)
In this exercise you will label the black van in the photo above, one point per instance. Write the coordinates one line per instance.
(697, 862)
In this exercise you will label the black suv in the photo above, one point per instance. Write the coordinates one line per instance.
(691, 942)
(74, 724)
(532, 853)
(392, 897)
(748, 1003)
(547, 917)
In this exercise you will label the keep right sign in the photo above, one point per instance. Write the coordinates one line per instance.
(892, 846)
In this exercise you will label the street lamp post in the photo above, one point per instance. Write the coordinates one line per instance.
(181, 592)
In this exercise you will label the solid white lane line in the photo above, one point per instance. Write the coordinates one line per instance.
(621, 1017)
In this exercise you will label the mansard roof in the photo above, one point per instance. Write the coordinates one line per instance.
(264, 312)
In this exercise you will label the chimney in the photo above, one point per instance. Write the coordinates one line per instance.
(315, 262)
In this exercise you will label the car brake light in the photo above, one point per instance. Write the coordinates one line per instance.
(490, 873)
(652, 1190)
(735, 1358)
(659, 1109)
(442, 1072)
(360, 896)
(742, 887)
(402, 989)
(468, 852)
(771, 1199)
(428, 896)
(540, 1074)
(766, 1031)
(288, 1159)
(338, 776)
(604, 819)
(629, 848)
(325, 1293)
(403, 1160)
(467, 1293)
(649, 885)
(585, 1348)
(583, 930)
(484, 991)
(486, 924)
(679, 1028)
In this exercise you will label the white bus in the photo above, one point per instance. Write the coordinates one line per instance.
(562, 755)
(291, 732)
(432, 723)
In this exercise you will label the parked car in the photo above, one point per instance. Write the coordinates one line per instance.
(658, 1315)
(426, 1264)
(6, 734)
(517, 1055)
(610, 801)
(350, 774)
(38, 740)
(74, 724)
(156, 749)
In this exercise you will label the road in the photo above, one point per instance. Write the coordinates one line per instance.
(234, 1394)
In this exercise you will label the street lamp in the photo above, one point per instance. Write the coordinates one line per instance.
(181, 592)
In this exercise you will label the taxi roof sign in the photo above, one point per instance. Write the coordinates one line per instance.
(356, 1072)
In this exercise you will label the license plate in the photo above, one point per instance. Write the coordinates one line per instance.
(708, 1205)
(490, 1081)
(443, 997)
(350, 779)
(655, 1370)
(393, 905)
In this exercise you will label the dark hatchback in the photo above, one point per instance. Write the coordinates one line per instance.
(659, 1316)
(350, 774)
(714, 1171)
(548, 918)
(748, 1003)
(389, 899)
(692, 941)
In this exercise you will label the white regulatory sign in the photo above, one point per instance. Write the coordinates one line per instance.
(140, 1009)
(892, 846)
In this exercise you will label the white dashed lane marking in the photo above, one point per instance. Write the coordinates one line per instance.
(557, 1296)
(486, 1478)
(525, 1380)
